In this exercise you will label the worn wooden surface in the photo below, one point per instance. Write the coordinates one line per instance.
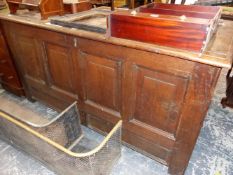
(8, 76)
(213, 55)
(165, 30)
(178, 26)
(161, 94)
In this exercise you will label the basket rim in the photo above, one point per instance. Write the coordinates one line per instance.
(56, 145)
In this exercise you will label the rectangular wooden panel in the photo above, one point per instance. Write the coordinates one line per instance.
(60, 68)
(27, 47)
(102, 83)
(46, 67)
(156, 102)
(8, 74)
(159, 99)
(59, 62)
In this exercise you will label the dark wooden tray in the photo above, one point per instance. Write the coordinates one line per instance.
(179, 26)
(92, 21)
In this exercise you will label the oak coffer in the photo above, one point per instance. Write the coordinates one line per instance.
(160, 93)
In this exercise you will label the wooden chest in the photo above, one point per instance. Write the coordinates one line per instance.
(161, 94)
(178, 26)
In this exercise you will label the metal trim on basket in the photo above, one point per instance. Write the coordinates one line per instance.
(102, 148)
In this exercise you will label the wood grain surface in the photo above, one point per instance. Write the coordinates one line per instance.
(161, 99)
(164, 30)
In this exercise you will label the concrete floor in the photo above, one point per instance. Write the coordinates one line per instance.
(213, 152)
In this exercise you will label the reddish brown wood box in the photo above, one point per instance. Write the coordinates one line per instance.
(179, 26)
(76, 6)
(45, 7)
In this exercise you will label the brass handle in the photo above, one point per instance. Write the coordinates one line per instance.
(10, 77)
(75, 42)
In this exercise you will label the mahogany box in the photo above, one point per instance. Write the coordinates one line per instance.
(186, 27)
(75, 6)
